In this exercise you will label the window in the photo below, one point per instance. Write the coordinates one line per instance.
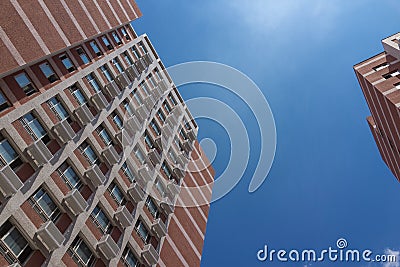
(128, 172)
(100, 219)
(137, 97)
(152, 207)
(69, 176)
(172, 99)
(125, 34)
(102, 132)
(8, 156)
(81, 253)
(167, 106)
(82, 55)
(104, 69)
(143, 85)
(116, 193)
(148, 140)
(117, 65)
(34, 128)
(25, 83)
(3, 102)
(117, 120)
(155, 127)
(160, 187)
(116, 38)
(183, 134)
(66, 61)
(91, 79)
(106, 42)
(88, 153)
(127, 58)
(381, 66)
(142, 47)
(391, 74)
(142, 231)
(44, 205)
(78, 95)
(58, 109)
(139, 155)
(14, 246)
(48, 72)
(95, 48)
(127, 107)
(129, 258)
(161, 115)
(166, 170)
(135, 52)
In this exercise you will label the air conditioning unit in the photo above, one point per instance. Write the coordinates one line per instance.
(143, 62)
(136, 192)
(139, 66)
(95, 175)
(50, 236)
(147, 58)
(124, 217)
(145, 173)
(150, 255)
(75, 202)
(39, 153)
(173, 189)
(182, 159)
(110, 155)
(142, 113)
(83, 114)
(64, 131)
(159, 228)
(171, 120)
(112, 89)
(191, 134)
(108, 247)
(123, 80)
(167, 205)
(154, 156)
(132, 125)
(9, 182)
(99, 101)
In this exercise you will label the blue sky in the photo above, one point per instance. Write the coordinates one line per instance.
(328, 180)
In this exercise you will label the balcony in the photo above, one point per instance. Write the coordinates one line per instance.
(179, 173)
(99, 101)
(110, 155)
(192, 135)
(136, 192)
(132, 72)
(149, 102)
(112, 89)
(163, 86)
(63, 131)
(187, 146)
(83, 114)
(50, 236)
(142, 113)
(108, 247)
(154, 156)
(9, 182)
(123, 216)
(173, 189)
(39, 153)
(167, 205)
(123, 80)
(150, 255)
(95, 175)
(166, 131)
(159, 228)
(75, 202)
